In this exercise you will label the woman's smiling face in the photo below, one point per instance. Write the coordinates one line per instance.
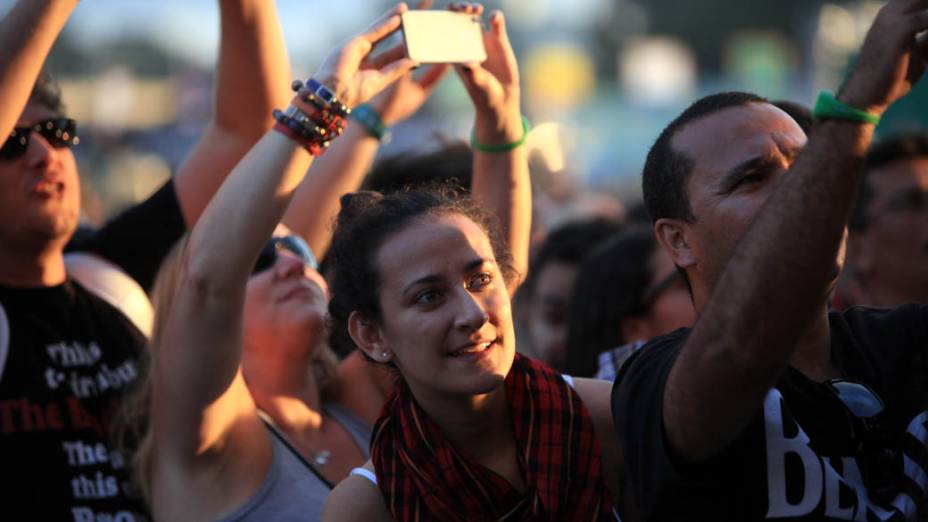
(446, 321)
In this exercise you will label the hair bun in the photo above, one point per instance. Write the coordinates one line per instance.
(356, 203)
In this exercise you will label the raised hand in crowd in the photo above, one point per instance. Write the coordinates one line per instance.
(205, 439)
(343, 168)
(501, 182)
(58, 312)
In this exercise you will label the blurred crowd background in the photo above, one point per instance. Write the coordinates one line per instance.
(600, 79)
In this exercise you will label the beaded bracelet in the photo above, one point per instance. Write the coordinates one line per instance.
(314, 148)
(315, 139)
(505, 147)
(320, 96)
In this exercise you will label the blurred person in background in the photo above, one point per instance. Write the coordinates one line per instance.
(627, 291)
(66, 354)
(887, 249)
(772, 407)
(544, 300)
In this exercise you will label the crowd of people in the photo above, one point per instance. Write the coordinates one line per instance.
(335, 338)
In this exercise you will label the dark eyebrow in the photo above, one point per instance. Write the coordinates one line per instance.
(432, 278)
(427, 280)
(747, 167)
(733, 176)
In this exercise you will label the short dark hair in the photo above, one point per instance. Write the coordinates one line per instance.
(610, 287)
(895, 148)
(364, 224)
(663, 180)
(47, 93)
(451, 163)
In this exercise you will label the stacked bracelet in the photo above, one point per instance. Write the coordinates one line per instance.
(314, 118)
(370, 119)
(505, 147)
(829, 107)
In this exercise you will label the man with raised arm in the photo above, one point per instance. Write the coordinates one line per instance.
(66, 354)
(770, 407)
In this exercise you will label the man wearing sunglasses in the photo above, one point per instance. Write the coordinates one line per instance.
(66, 354)
(771, 407)
(887, 261)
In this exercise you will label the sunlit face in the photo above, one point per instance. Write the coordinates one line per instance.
(285, 307)
(39, 191)
(445, 311)
(739, 154)
(895, 240)
(549, 311)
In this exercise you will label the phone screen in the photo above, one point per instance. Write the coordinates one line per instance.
(443, 37)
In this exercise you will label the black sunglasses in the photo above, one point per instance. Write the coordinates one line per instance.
(293, 244)
(654, 291)
(58, 132)
(864, 409)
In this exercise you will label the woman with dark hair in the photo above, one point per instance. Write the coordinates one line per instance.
(474, 431)
(421, 283)
(627, 292)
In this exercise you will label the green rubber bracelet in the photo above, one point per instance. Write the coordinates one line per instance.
(506, 147)
(827, 107)
(370, 119)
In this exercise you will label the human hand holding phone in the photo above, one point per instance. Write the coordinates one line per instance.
(353, 74)
(493, 85)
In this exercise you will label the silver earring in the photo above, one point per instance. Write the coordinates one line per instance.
(383, 354)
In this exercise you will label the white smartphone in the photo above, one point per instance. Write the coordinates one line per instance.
(443, 37)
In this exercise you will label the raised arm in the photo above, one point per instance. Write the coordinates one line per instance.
(343, 168)
(200, 403)
(26, 36)
(252, 78)
(501, 180)
(775, 284)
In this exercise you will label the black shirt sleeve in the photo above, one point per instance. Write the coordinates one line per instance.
(140, 237)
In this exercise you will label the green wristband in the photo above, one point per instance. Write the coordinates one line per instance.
(827, 107)
(370, 119)
(506, 147)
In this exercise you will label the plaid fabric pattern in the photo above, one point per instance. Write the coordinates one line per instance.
(423, 477)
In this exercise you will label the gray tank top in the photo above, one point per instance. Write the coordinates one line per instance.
(293, 489)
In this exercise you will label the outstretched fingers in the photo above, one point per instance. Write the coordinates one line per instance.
(385, 25)
(389, 73)
(393, 54)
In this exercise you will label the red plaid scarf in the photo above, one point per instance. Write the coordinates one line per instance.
(423, 477)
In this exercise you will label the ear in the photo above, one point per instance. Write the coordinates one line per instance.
(368, 337)
(672, 236)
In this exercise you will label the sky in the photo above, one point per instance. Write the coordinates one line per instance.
(190, 27)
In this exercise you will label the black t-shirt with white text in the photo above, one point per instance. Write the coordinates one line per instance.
(67, 358)
(797, 458)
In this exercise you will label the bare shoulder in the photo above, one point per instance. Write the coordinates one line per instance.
(596, 395)
(356, 498)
